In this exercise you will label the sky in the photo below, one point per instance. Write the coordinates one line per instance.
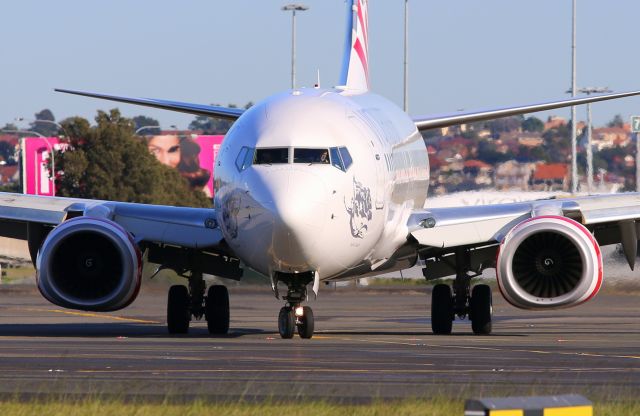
(464, 54)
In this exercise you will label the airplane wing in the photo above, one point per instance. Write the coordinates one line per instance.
(450, 119)
(197, 109)
(611, 219)
(184, 227)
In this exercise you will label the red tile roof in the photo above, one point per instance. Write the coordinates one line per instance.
(550, 171)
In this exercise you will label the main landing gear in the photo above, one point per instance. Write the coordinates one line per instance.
(184, 303)
(462, 301)
(293, 315)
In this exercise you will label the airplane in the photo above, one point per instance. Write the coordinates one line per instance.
(318, 185)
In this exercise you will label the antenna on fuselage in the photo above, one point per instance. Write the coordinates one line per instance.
(318, 81)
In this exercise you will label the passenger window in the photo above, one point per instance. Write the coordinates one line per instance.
(320, 156)
(346, 157)
(335, 158)
(270, 156)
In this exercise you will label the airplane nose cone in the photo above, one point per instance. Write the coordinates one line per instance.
(297, 202)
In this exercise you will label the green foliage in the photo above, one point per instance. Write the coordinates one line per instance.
(8, 153)
(617, 121)
(487, 153)
(210, 125)
(144, 121)
(45, 128)
(107, 162)
(533, 124)
(505, 124)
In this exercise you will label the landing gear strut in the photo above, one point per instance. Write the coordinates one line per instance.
(293, 315)
(462, 302)
(183, 304)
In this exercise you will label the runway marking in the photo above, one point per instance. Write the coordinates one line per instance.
(91, 315)
(419, 344)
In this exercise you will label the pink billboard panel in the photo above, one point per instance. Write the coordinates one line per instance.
(36, 164)
(192, 155)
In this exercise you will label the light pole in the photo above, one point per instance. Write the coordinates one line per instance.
(406, 56)
(294, 7)
(173, 126)
(589, 91)
(574, 152)
(58, 125)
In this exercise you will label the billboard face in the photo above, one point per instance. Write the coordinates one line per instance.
(193, 156)
(36, 164)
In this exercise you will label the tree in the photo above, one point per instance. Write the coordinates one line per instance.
(7, 153)
(9, 127)
(43, 123)
(533, 124)
(144, 121)
(211, 125)
(617, 121)
(505, 124)
(107, 162)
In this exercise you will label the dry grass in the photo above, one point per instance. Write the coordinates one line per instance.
(97, 407)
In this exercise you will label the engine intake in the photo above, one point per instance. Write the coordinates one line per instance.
(549, 262)
(89, 264)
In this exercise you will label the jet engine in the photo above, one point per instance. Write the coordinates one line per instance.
(89, 264)
(549, 262)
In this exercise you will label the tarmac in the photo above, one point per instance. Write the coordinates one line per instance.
(370, 344)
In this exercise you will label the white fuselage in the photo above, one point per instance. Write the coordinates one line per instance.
(295, 216)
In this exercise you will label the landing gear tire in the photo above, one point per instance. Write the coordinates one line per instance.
(306, 323)
(178, 310)
(286, 322)
(442, 313)
(216, 310)
(481, 309)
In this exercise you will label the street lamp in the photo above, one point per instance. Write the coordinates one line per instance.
(589, 91)
(574, 132)
(58, 125)
(173, 126)
(294, 7)
(406, 56)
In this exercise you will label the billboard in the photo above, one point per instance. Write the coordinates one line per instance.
(37, 160)
(192, 155)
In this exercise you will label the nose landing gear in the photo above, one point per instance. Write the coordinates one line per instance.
(293, 315)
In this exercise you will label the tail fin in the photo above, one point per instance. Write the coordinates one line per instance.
(355, 64)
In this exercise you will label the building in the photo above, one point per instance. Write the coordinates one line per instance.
(550, 177)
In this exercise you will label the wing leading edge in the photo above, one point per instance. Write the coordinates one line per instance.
(450, 119)
(196, 109)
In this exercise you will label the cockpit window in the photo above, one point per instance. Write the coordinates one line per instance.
(244, 158)
(346, 157)
(271, 155)
(311, 156)
(335, 158)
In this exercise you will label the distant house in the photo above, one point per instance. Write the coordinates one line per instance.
(608, 137)
(513, 175)
(553, 122)
(551, 177)
(9, 174)
(528, 139)
(479, 172)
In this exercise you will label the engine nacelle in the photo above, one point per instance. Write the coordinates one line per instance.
(90, 264)
(549, 262)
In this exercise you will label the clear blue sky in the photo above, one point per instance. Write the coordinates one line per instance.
(464, 53)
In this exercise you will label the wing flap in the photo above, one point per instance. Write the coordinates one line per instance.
(196, 109)
(451, 119)
(180, 226)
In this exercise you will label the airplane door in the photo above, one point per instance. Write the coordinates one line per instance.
(380, 174)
